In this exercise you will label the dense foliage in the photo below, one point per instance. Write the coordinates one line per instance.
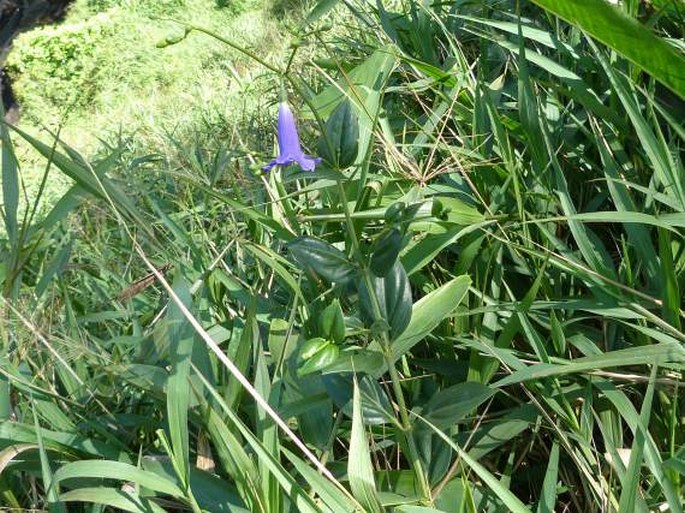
(473, 303)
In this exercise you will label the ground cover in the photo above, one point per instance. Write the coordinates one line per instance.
(472, 303)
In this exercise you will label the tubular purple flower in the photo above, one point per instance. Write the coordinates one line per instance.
(289, 148)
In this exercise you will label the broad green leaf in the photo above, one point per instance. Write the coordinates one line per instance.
(376, 407)
(366, 361)
(430, 311)
(9, 453)
(324, 356)
(319, 257)
(421, 253)
(634, 41)
(452, 404)
(384, 252)
(339, 143)
(393, 297)
(332, 322)
(363, 87)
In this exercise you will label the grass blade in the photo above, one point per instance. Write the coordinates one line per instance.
(359, 467)
(625, 35)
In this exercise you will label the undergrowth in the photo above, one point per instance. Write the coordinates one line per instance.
(473, 303)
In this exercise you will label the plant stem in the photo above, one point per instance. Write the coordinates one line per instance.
(405, 422)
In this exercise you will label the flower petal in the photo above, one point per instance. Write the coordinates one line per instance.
(288, 140)
(307, 162)
(289, 148)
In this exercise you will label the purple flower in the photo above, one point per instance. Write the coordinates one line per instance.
(289, 149)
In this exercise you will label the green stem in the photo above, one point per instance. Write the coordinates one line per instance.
(405, 422)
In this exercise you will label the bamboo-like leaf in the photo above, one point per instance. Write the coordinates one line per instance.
(320, 9)
(178, 389)
(658, 353)
(98, 185)
(359, 467)
(631, 481)
(625, 408)
(104, 469)
(54, 504)
(548, 494)
(336, 501)
(10, 181)
(625, 35)
(511, 502)
(116, 498)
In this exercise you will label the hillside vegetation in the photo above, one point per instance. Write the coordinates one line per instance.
(473, 302)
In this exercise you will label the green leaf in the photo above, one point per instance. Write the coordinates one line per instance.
(319, 10)
(332, 322)
(417, 509)
(277, 263)
(181, 338)
(312, 346)
(658, 353)
(10, 181)
(330, 495)
(631, 482)
(510, 501)
(105, 469)
(393, 294)
(54, 504)
(548, 494)
(358, 360)
(430, 311)
(321, 359)
(625, 408)
(97, 184)
(339, 143)
(359, 467)
(452, 404)
(385, 250)
(287, 482)
(319, 257)
(634, 41)
(119, 499)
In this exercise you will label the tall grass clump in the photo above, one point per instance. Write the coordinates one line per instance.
(472, 303)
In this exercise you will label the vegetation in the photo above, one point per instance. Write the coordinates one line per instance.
(101, 68)
(471, 304)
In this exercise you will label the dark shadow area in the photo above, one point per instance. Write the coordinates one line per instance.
(16, 16)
